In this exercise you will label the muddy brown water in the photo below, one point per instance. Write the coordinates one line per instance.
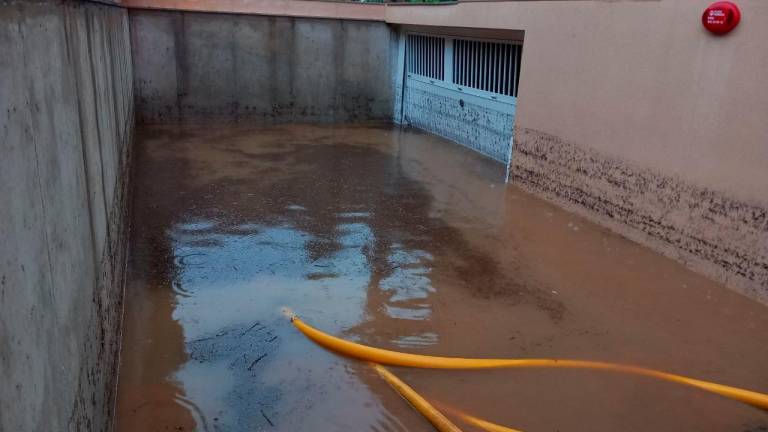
(401, 240)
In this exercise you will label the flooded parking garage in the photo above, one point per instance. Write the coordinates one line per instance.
(398, 239)
(145, 129)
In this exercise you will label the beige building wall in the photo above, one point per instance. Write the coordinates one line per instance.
(641, 80)
(632, 114)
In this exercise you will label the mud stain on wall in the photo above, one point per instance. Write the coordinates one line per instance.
(481, 125)
(722, 237)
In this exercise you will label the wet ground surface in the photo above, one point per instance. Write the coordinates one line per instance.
(405, 241)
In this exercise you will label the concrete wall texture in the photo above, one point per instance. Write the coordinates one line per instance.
(67, 105)
(285, 8)
(631, 114)
(201, 67)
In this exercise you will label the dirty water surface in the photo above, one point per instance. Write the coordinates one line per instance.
(401, 240)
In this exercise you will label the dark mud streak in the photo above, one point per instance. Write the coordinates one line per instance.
(180, 55)
(99, 381)
(93, 406)
(703, 228)
(478, 127)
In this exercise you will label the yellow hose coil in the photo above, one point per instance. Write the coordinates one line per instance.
(394, 358)
(430, 412)
(434, 416)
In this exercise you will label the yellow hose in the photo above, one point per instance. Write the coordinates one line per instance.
(394, 358)
(430, 412)
(434, 416)
(475, 421)
(485, 424)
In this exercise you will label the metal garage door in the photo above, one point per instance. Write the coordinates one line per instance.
(464, 89)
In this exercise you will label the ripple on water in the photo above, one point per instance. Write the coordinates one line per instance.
(417, 340)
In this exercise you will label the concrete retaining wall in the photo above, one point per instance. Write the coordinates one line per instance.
(67, 105)
(204, 67)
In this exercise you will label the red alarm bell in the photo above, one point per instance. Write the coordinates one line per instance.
(721, 17)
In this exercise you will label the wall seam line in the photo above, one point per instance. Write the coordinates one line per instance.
(37, 168)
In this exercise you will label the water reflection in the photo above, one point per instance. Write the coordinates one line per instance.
(332, 227)
(416, 341)
(231, 282)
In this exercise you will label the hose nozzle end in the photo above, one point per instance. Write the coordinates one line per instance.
(288, 313)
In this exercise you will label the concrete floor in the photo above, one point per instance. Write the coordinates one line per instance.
(401, 240)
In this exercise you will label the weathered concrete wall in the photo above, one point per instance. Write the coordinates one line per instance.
(635, 116)
(288, 8)
(67, 105)
(480, 124)
(202, 67)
